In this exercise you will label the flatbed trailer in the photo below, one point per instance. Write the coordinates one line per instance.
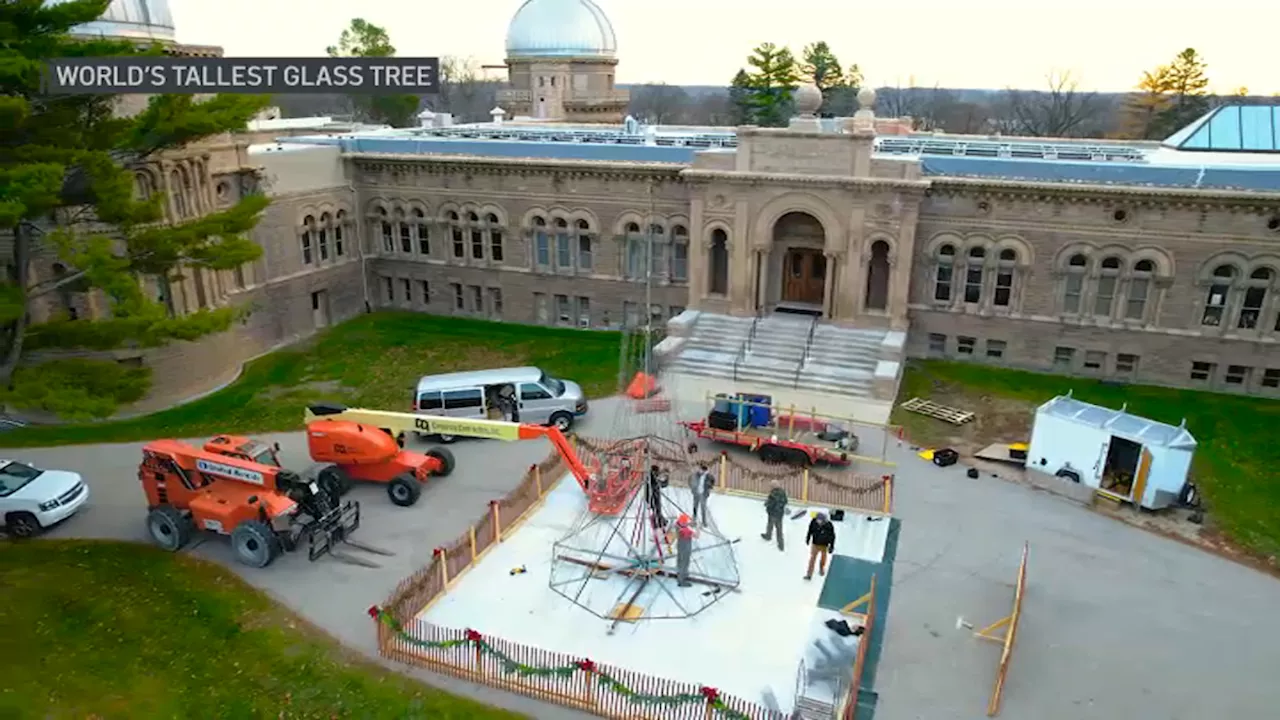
(802, 448)
(753, 422)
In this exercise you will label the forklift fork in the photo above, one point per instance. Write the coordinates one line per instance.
(334, 530)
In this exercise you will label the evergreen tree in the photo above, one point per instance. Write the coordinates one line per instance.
(740, 99)
(67, 189)
(772, 82)
(821, 67)
(364, 39)
(1169, 97)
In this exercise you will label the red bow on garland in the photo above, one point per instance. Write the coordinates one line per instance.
(710, 693)
(586, 666)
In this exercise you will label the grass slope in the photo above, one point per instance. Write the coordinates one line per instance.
(1237, 463)
(104, 629)
(374, 361)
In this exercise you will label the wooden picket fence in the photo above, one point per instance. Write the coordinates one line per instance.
(584, 685)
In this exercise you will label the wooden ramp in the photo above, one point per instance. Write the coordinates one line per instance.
(940, 412)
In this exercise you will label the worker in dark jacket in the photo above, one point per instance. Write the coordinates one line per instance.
(821, 541)
(775, 507)
(653, 496)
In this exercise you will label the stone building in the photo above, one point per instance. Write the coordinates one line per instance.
(806, 261)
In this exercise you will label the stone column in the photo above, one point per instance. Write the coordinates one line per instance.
(852, 271)
(828, 285)
(739, 261)
(900, 271)
(699, 249)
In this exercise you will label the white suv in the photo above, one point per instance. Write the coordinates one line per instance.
(32, 499)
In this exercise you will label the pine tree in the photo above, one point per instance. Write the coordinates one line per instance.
(821, 67)
(1169, 97)
(364, 39)
(740, 99)
(67, 189)
(772, 83)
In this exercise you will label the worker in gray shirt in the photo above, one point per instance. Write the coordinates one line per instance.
(700, 484)
(775, 507)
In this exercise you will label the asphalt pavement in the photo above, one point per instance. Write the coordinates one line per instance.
(1117, 622)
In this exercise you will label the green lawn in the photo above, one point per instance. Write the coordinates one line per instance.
(109, 630)
(372, 361)
(1237, 464)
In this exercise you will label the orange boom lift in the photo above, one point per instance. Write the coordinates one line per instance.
(608, 487)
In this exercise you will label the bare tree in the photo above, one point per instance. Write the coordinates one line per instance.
(659, 103)
(464, 91)
(1061, 110)
(714, 108)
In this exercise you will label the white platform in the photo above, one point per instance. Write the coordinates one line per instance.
(748, 642)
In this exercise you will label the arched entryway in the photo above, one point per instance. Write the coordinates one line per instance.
(798, 241)
(878, 277)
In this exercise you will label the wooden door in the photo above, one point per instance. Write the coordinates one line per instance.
(804, 275)
(1140, 479)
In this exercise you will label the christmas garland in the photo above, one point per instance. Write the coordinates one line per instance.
(708, 695)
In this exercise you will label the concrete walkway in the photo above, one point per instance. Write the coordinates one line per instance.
(1118, 622)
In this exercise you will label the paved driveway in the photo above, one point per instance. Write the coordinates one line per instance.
(1118, 623)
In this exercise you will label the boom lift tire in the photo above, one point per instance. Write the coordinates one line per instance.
(335, 480)
(169, 527)
(447, 439)
(446, 461)
(255, 544)
(404, 490)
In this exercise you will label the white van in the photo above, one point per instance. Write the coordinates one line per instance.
(539, 398)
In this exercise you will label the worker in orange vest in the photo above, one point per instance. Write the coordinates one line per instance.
(685, 533)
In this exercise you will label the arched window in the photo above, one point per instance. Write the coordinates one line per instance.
(877, 297)
(322, 234)
(634, 268)
(1104, 299)
(1255, 298)
(175, 190)
(477, 237)
(406, 232)
(65, 296)
(459, 240)
(142, 186)
(541, 242)
(308, 227)
(339, 233)
(423, 231)
(585, 262)
(1008, 262)
(1073, 290)
(657, 245)
(1135, 307)
(973, 275)
(388, 234)
(679, 254)
(187, 191)
(496, 248)
(718, 267)
(1215, 304)
(564, 246)
(945, 274)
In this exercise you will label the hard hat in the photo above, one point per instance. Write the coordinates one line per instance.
(682, 520)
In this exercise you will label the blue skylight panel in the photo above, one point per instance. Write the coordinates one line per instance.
(1224, 129)
(1258, 127)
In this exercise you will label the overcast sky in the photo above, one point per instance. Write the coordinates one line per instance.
(973, 43)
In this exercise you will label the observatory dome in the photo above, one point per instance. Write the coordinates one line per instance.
(133, 19)
(559, 29)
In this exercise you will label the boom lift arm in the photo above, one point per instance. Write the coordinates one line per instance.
(397, 424)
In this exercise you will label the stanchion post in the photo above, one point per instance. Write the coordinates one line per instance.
(888, 494)
(471, 535)
(444, 566)
(724, 471)
(804, 486)
(497, 520)
(537, 478)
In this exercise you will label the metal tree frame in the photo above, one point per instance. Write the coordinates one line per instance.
(636, 550)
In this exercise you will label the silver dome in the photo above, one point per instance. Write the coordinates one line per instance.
(136, 19)
(560, 28)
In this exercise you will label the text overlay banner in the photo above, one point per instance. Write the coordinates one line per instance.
(177, 75)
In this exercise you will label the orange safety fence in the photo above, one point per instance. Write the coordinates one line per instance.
(1010, 626)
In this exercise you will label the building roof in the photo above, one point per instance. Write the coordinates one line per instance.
(560, 28)
(135, 19)
(1119, 422)
(1231, 128)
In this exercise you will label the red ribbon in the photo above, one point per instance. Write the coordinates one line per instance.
(374, 611)
(586, 666)
(472, 635)
(710, 693)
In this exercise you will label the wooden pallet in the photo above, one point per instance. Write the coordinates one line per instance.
(934, 410)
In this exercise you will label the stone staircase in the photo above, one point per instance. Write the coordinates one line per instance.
(780, 350)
